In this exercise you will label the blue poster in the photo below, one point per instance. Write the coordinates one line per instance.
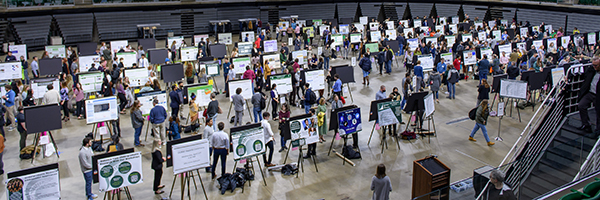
(349, 121)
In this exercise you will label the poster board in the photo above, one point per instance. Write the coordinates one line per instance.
(117, 45)
(557, 75)
(218, 50)
(591, 39)
(36, 183)
(373, 26)
(274, 62)
(391, 34)
(506, 48)
(146, 43)
(364, 20)
(374, 109)
(448, 58)
(202, 92)
(19, 50)
(453, 28)
(304, 130)
(212, 68)
(302, 56)
(157, 56)
(57, 51)
(389, 112)
(245, 48)
(240, 64)
(283, 81)
(467, 37)
(552, 45)
(538, 43)
(129, 58)
(404, 23)
(250, 34)
(429, 105)
(117, 169)
(172, 72)
(225, 38)
(40, 86)
(455, 19)
(10, 70)
(101, 109)
(85, 62)
(91, 81)
(355, 38)
(390, 25)
(433, 40)
(481, 36)
(338, 40)
(524, 31)
(137, 76)
(497, 35)
(248, 141)
(349, 121)
(147, 98)
(310, 31)
(316, 79)
(344, 29)
(513, 89)
(270, 46)
(372, 47)
(346, 73)
(198, 38)
(469, 57)
(488, 52)
(408, 31)
(440, 28)
(322, 29)
(565, 41)
(245, 84)
(413, 43)
(188, 154)
(42, 118)
(426, 62)
(417, 23)
(177, 39)
(188, 53)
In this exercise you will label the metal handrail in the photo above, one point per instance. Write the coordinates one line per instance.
(594, 158)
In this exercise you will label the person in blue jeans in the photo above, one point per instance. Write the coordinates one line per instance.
(137, 121)
(483, 68)
(307, 98)
(452, 80)
(481, 121)
(256, 99)
(85, 163)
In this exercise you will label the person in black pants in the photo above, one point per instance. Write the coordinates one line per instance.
(157, 166)
(311, 126)
(274, 100)
(175, 101)
(587, 95)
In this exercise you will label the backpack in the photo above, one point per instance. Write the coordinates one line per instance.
(312, 97)
(473, 114)
(263, 103)
(350, 153)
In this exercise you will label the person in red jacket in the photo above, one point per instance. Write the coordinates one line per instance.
(249, 74)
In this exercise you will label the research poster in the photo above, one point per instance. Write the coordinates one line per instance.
(248, 142)
(18, 50)
(188, 53)
(338, 40)
(270, 46)
(249, 34)
(225, 38)
(429, 105)
(245, 84)
(451, 39)
(202, 93)
(115, 46)
(433, 40)
(129, 58)
(467, 37)
(137, 76)
(349, 121)
(212, 69)
(301, 55)
(591, 38)
(101, 110)
(304, 130)
(513, 89)
(372, 47)
(391, 34)
(240, 64)
(344, 29)
(283, 81)
(375, 36)
(557, 75)
(506, 49)
(364, 20)
(413, 43)
(453, 28)
(447, 58)
(37, 183)
(538, 43)
(274, 62)
(524, 31)
(408, 31)
(316, 79)
(178, 41)
(119, 171)
(426, 62)
(565, 41)
(355, 38)
(390, 25)
(469, 57)
(91, 81)
(40, 86)
(85, 62)
(147, 98)
(198, 38)
(58, 51)
(488, 52)
(389, 113)
(245, 48)
(188, 156)
(552, 45)
(310, 31)
(417, 23)
(10, 70)
(481, 36)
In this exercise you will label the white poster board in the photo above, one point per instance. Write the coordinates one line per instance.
(447, 58)
(305, 129)
(344, 29)
(453, 28)
(302, 56)
(408, 31)
(354, 38)
(120, 171)
(245, 84)
(591, 40)
(440, 29)
(245, 48)
(426, 62)
(364, 20)
(115, 46)
(274, 62)
(283, 81)
(270, 46)
(470, 57)
(146, 100)
(390, 25)
(192, 155)
(322, 29)
(248, 143)
(91, 81)
(538, 43)
(101, 110)
(551, 45)
(85, 62)
(565, 41)
(513, 89)
(225, 38)
(18, 50)
(137, 76)
(404, 23)
(177, 39)
(500, 112)
(450, 39)
(240, 64)
(250, 35)
(316, 79)
(481, 36)
(506, 48)
(497, 35)
(198, 38)
(429, 105)
(37, 183)
(557, 75)
(391, 34)
(10, 70)
(417, 23)
(413, 43)
(467, 37)
(129, 58)
(488, 52)
(338, 40)
(188, 53)
(373, 26)
(433, 40)
(202, 93)
(58, 51)
(40, 86)
(524, 31)
(360, 27)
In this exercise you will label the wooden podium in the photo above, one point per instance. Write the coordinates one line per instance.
(429, 175)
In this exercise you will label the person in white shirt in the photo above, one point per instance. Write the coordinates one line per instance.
(35, 67)
(143, 62)
(208, 133)
(51, 97)
(269, 139)
(220, 145)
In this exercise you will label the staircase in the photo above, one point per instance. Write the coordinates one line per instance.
(389, 10)
(3, 32)
(496, 13)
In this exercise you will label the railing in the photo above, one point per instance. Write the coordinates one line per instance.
(30, 3)
(131, 1)
(591, 164)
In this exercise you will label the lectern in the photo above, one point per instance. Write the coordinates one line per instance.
(430, 174)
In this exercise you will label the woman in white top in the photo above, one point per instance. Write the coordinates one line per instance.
(381, 184)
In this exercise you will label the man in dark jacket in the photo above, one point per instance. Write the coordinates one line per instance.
(512, 70)
(365, 65)
(175, 101)
(381, 60)
(587, 95)
(483, 68)
(389, 56)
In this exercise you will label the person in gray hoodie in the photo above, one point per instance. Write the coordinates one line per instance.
(434, 81)
(85, 163)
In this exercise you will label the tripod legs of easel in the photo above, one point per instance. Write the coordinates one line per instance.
(95, 130)
(185, 179)
(116, 194)
(250, 161)
(37, 141)
(248, 108)
(350, 92)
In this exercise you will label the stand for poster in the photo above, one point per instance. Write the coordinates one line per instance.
(247, 107)
(250, 161)
(116, 194)
(430, 123)
(95, 129)
(501, 115)
(301, 161)
(37, 141)
(350, 92)
(345, 137)
(185, 179)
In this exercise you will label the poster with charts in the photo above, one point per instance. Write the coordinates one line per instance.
(450, 39)
(372, 47)
(447, 58)
(497, 35)
(417, 23)
(283, 81)
(404, 23)
(119, 171)
(249, 34)
(491, 24)
(245, 84)
(469, 57)
(178, 41)
(488, 52)
(364, 20)
(18, 50)
(85, 62)
(58, 51)
(202, 93)
(591, 38)
(391, 34)
(316, 79)
(413, 43)
(36, 183)
(524, 31)
(240, 64)
(408, 31)
(478, 24)
(373, 26)
(198, 38)
(10, 70)
(433, 40)
(310, 31)
(248, 141)
(557, 75)
(274, 62)
(225, 38)
(481, 36)
(188, 53)
(504, 50)
(245, 48)
(467, 37)
(442, 20)
(338, 40)
(91, 81)
(439, 29)
(40, 86)
(426, 62)
(270, 46)
(129, 58)
(425, 30)
(302, 56)
(344, 29)
(147, 98)
(360, 27)
(389, 112)
(355, 38)
(349, 121)
(101, 110)
(137, 76)
(304, 130)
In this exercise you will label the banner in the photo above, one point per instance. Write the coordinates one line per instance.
(119, 171)
(304, 130)
(37, 183)
(248, 141)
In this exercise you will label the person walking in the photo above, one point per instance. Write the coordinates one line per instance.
(481, 121)
(1, 151)
(207, 134)
(365, 65)
(158, 115)
(284, 115)
(274, 100)
(9, 105)
(21, 127)
(257, 98)
(452, 80)
(175, 101)
(238, 106)
(269, 139)
(137, 122)
(85, 163)
(157, 166)
(64, 100)
(435, 81)
(483, 91)
(381, 185)
(220, 145)
(588, 95)
(483, 68)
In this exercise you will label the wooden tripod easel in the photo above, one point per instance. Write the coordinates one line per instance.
(117, 194)
(37, 141)
(185, 179)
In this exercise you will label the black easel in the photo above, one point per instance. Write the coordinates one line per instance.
(117, 195)
(415, 105)
(301, 161)
(247, 106)
(37, 141)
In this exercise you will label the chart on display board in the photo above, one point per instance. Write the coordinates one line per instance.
(270, 46)
(538, 43)
(316, 79)
(338, 40)
(283, 81)
(375, 36)
(389, 112)
(18, 50)
(274, 62)
(137, 76)
(447, 58)
(101, 110)
(118, 169)
(115, 46)
(202, 92)
(565, 41)
(147, 98)
(349, 121)
(310, 31)
(188, 154)
(198, 38)
(433, 40)
(248, 141)
(372, 47)
(40, 86)
(85, 62)
(478, 24)
(355, 38)
(245, 84)
(497, 35)
(301, 55)
(488, 52)
(225, 38)
(245, 48)
(58, 51)
(426, 62)
(450, 39)
(91, 81)
(36, 183)
(212, 68)
(129, 58)
(391, 34)
(344, 29)
(10, 70)
(481, 36)
(513, 89)
(467, 37)
(413, 43)
(470, 57)
(429, 105)
(439, 28)
(240, 64)
(360, 27)
(178, 42)
(250, 35)
(408, 31)
(304, 130)
(188, 53)
(524, 31)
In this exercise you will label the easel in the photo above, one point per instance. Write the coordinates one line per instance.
(37, 141)
(349, 91)
(512, 103)
(383, 137)
(300, 158)
(416, 106)
(108, 126)
(117, 194)
(247, 106)
(250, 161)
(430, 121)
(501, 107)
(185, 179)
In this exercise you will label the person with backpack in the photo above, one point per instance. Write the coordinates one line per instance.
(452, 80)
(481, 116)
(258, 102)
(114, 145)
(310, 98)
(365, 65)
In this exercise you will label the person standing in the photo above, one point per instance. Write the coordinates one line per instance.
(269, 139)
(381, 185)
(157, 166)
(35, 68)
(220, 145)
(308, 101)
(64, 100)
(274, 100)
(21, 128)
(10, 57)
(257, 98)
(483, 91)
(452, 80)
(85, 163)
(79, 99)
(137, 121)
(481, 121)
(321, 119)
(435, 81)
(175, 101)
(25, 66)
(327, 55)
(337, 86)
(158, 115)
(52, 96)
(284, 115)
(389, 56)
(365, 65)
(483, 68)
(1, 152)
(238, 106)
(9, 104)
(587, 95)
(498, 190)
(207, 134)
(213, 109)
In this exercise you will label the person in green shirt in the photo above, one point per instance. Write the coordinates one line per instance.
(321, 118)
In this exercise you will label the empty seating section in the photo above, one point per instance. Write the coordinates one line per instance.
(310, 11)
(475, 11)
(346, 10)
(447, 10)
(33, 31)
(233, 14)
(201, 19)
(536, 17)
(75, 28)
(123, 25)
(420, 9)
(370, 9)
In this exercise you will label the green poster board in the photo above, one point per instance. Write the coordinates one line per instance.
(373, 47)
(385, 117)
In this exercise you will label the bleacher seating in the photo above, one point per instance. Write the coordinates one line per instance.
(75, 28)
(123, 25)
(33, 31)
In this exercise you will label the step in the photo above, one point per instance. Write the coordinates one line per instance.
(560, 167)
(526, 192)
(539, 185)
(566, 154)
(586, 146)
(552, 176)
(575, 130)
